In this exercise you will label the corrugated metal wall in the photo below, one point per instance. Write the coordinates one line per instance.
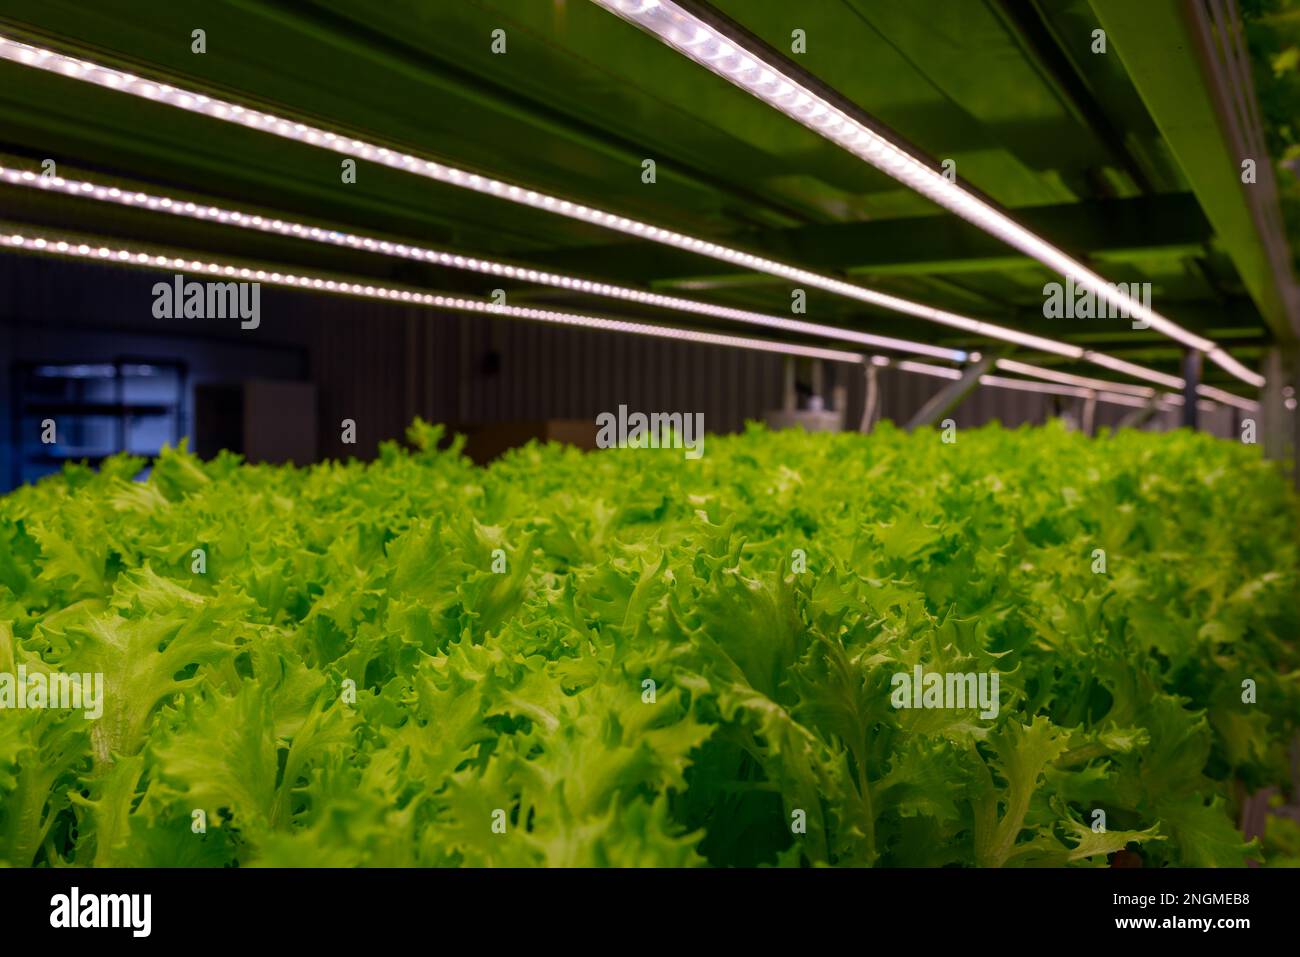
(382, 364)
(486, 369)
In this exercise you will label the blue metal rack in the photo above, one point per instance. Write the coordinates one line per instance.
(98, 408)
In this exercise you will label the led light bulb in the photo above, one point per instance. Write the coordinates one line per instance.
(808, 107)
(460, 304)
(668, 21)
(336, 237)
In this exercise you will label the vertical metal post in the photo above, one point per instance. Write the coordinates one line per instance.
(17, 438)
(119, 392)
(789, 396)
(1271, 421)
(873, 394)
(1192, 379)
(1279, 427)
(1089, 413)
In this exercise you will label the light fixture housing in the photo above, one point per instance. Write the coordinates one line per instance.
(208, 212)
(1023, 385)
(291, 229)
(728, 56)
(128, 83)
(14, 237)
(1068, 378)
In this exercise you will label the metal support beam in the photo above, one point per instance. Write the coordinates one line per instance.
(947, 398)
(1051, 54)
(1169, 225)
(1140, 416)
(873, 398)
(789, 394)
(1279, 426)
(1166, 48)
(1089, 414)
(1191, 379)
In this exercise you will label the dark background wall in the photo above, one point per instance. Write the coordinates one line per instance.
(381, 364)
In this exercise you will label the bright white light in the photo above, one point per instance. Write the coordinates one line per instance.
(1137, 371)
(1227, 398)
(1087, 382)
(670, 22)
(294, 230)
(1066, 378)
(1235, 368)
(1046, 388)
(924, 368)
(323, 139)
(1021, 385)
(1132, 401)
(455, 303)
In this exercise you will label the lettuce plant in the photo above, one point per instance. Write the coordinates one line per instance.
(625, 658)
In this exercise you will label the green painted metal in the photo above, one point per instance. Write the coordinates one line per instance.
(1148, 226)
(1154, 40)
(581, 98)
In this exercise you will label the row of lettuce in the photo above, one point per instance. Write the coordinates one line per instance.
(629, 658)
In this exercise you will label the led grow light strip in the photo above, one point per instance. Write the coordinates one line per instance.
(1086, 382)
(1045, 388)
(138, 258)
(1205, 391)
(86, 71)
(100, 253)
(118, 256)
(1234, 368)
(1068, 378)
(202, 211)
(1227, 398)
(84, 189)
(1129, 368)
(1132, 401)
(727, 57)
(295, 230)
(1021, 385)
(1205, 405)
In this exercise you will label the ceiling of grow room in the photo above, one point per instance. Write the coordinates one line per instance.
(1078, 146)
